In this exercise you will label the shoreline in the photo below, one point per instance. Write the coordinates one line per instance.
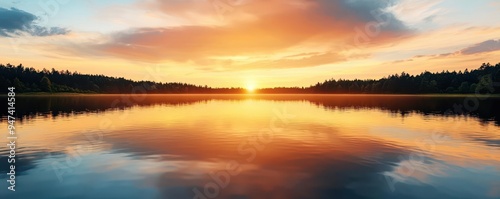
(252, 94)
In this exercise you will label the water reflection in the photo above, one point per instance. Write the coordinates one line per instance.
(329, 147)
(56, 106)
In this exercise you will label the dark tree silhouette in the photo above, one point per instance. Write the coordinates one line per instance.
(45, 84)
(480, 80)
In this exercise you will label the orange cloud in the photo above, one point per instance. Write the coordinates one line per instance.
(480, 48)
(257, 29)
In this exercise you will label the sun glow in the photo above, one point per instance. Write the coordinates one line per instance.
(250, 86)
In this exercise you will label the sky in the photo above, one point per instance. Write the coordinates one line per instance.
(250, 43)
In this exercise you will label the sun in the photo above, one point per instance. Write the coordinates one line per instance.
(250, 88)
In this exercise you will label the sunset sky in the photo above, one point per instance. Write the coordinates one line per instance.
(261, 43)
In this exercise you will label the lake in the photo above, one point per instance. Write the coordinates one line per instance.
(255, 146)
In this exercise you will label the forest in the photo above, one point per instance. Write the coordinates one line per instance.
(29, 80)
(480, 80)
(26, 79)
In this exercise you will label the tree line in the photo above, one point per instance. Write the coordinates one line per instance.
(462, 82)
(27, 79)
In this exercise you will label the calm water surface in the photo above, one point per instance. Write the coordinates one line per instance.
(255, 147)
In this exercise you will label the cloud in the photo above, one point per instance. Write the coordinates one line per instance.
(414, 13)
(364, 11)
(483, 47)
(297, 61)
(258, 28)
(486, 46)
(15, 22)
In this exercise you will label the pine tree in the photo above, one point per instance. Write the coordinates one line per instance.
(45, 84)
